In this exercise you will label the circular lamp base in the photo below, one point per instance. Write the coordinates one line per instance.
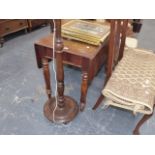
(61, 115)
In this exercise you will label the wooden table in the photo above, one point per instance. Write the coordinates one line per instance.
(87, 57)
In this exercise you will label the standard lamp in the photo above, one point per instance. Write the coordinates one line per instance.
(59, 109)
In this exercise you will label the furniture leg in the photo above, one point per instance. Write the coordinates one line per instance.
(84, 88)
(1, 41)
(30, 29)
(26, 31)
(100, 99)
(140, 123)
(46, 73)
(85, 82)
(51, 25)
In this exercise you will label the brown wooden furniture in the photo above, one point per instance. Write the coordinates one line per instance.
(115, 54)
(87, 57)
(33, 23)
(8, 26)
(60, 109)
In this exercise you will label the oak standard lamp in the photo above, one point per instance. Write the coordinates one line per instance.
(67, 108)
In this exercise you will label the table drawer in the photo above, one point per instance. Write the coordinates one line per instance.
(11, 26)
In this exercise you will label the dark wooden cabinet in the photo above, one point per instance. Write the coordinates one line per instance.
(8, 26)
(137, 24)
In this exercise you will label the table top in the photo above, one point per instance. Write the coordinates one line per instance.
(72, 47)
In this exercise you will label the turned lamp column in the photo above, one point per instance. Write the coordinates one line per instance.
(66, 108)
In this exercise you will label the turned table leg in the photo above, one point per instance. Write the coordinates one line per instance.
(46, 73)
(84, 85)
(84, 88)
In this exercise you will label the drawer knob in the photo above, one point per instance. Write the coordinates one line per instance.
(21, 23)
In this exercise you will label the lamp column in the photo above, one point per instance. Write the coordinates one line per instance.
(62, 109)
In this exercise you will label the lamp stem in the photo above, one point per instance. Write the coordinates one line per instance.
(59, 63)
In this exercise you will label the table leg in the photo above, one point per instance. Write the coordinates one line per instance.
(25, 30)
(85, 83)
(1, 41)
(46, 73)
(84, 88)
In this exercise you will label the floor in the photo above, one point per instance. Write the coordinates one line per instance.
(22, 94)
